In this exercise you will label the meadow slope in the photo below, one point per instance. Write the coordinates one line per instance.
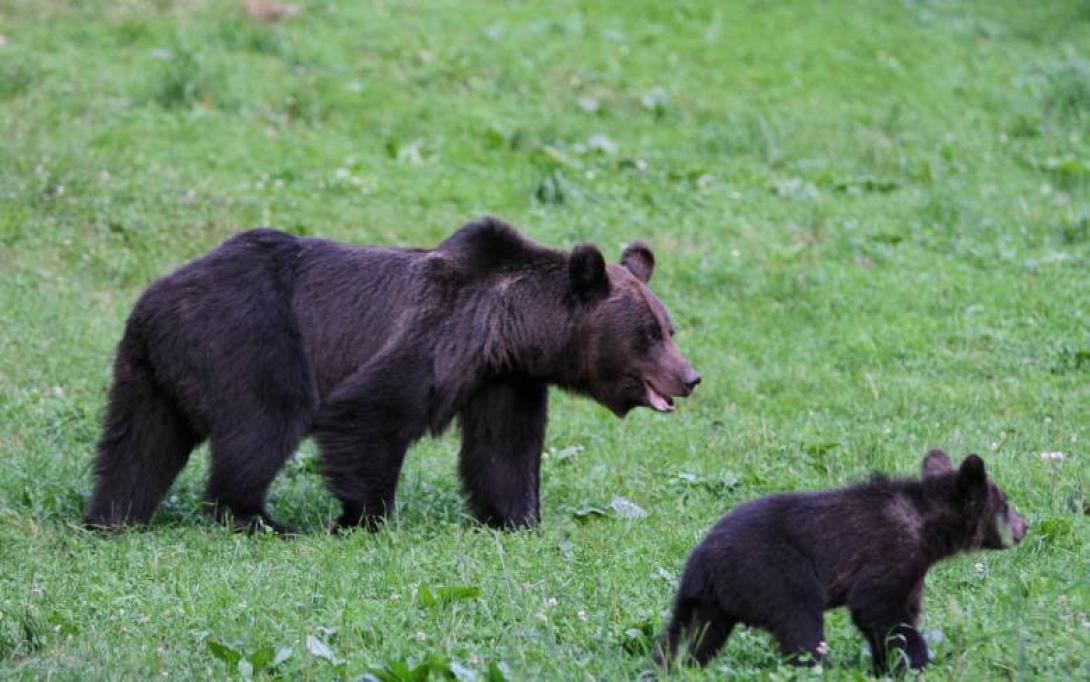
(872, 225)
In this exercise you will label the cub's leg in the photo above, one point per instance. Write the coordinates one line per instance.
(801, 636)
(702, 627)
(888, 621)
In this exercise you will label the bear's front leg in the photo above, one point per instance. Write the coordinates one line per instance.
(891, 634)
(363, 432)
(503, 431)
(897, 647)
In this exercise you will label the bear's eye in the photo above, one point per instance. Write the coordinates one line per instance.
(652, 334)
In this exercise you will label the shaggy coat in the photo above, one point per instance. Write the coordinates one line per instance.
(779, 562)
(270, 338)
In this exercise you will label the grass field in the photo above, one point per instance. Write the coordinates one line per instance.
(872, 225)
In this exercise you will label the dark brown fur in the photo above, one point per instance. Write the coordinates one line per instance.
(779, 562)
(270, 338)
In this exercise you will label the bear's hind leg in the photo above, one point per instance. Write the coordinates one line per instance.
(145, 443)
(708, 629)
(801, 636)
(503, 431)
(245, 461)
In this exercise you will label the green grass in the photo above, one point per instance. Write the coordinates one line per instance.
(872, 224)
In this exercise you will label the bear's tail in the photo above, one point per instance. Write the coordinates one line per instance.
(145, 443)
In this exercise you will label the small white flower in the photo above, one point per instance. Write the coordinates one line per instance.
(551, 602)
(420, 636)
(601, 143)
(995, 446)
(980, 568)
(583, 616)
(542, 617)
(587, 104)
(823, 648)
(1052, 456)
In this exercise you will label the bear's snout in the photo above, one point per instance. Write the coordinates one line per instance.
(681, 378)
(691, 379)
(1019, 526)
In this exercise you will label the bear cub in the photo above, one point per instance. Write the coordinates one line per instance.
(779, 562)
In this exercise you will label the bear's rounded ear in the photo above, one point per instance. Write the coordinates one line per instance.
(587, 270)
(934, 463)
(971, 475)
(639, 260)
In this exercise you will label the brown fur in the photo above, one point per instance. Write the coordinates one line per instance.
(270, 338)
(779, 562)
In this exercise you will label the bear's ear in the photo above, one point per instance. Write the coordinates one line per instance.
(587, 270)
(639, 260)
(934, 463)
(971, 475)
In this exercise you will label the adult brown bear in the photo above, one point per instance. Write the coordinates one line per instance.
(270, 338)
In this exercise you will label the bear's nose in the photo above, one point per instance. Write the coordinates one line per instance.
(692, 380)
(1019, 528)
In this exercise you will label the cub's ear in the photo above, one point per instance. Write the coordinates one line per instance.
(971, 475)
(934, 463)
(587, 271)
(639, 260)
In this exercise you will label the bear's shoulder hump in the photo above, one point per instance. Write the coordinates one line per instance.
(488, 243)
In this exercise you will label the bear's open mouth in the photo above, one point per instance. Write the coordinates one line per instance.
(658, 400)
